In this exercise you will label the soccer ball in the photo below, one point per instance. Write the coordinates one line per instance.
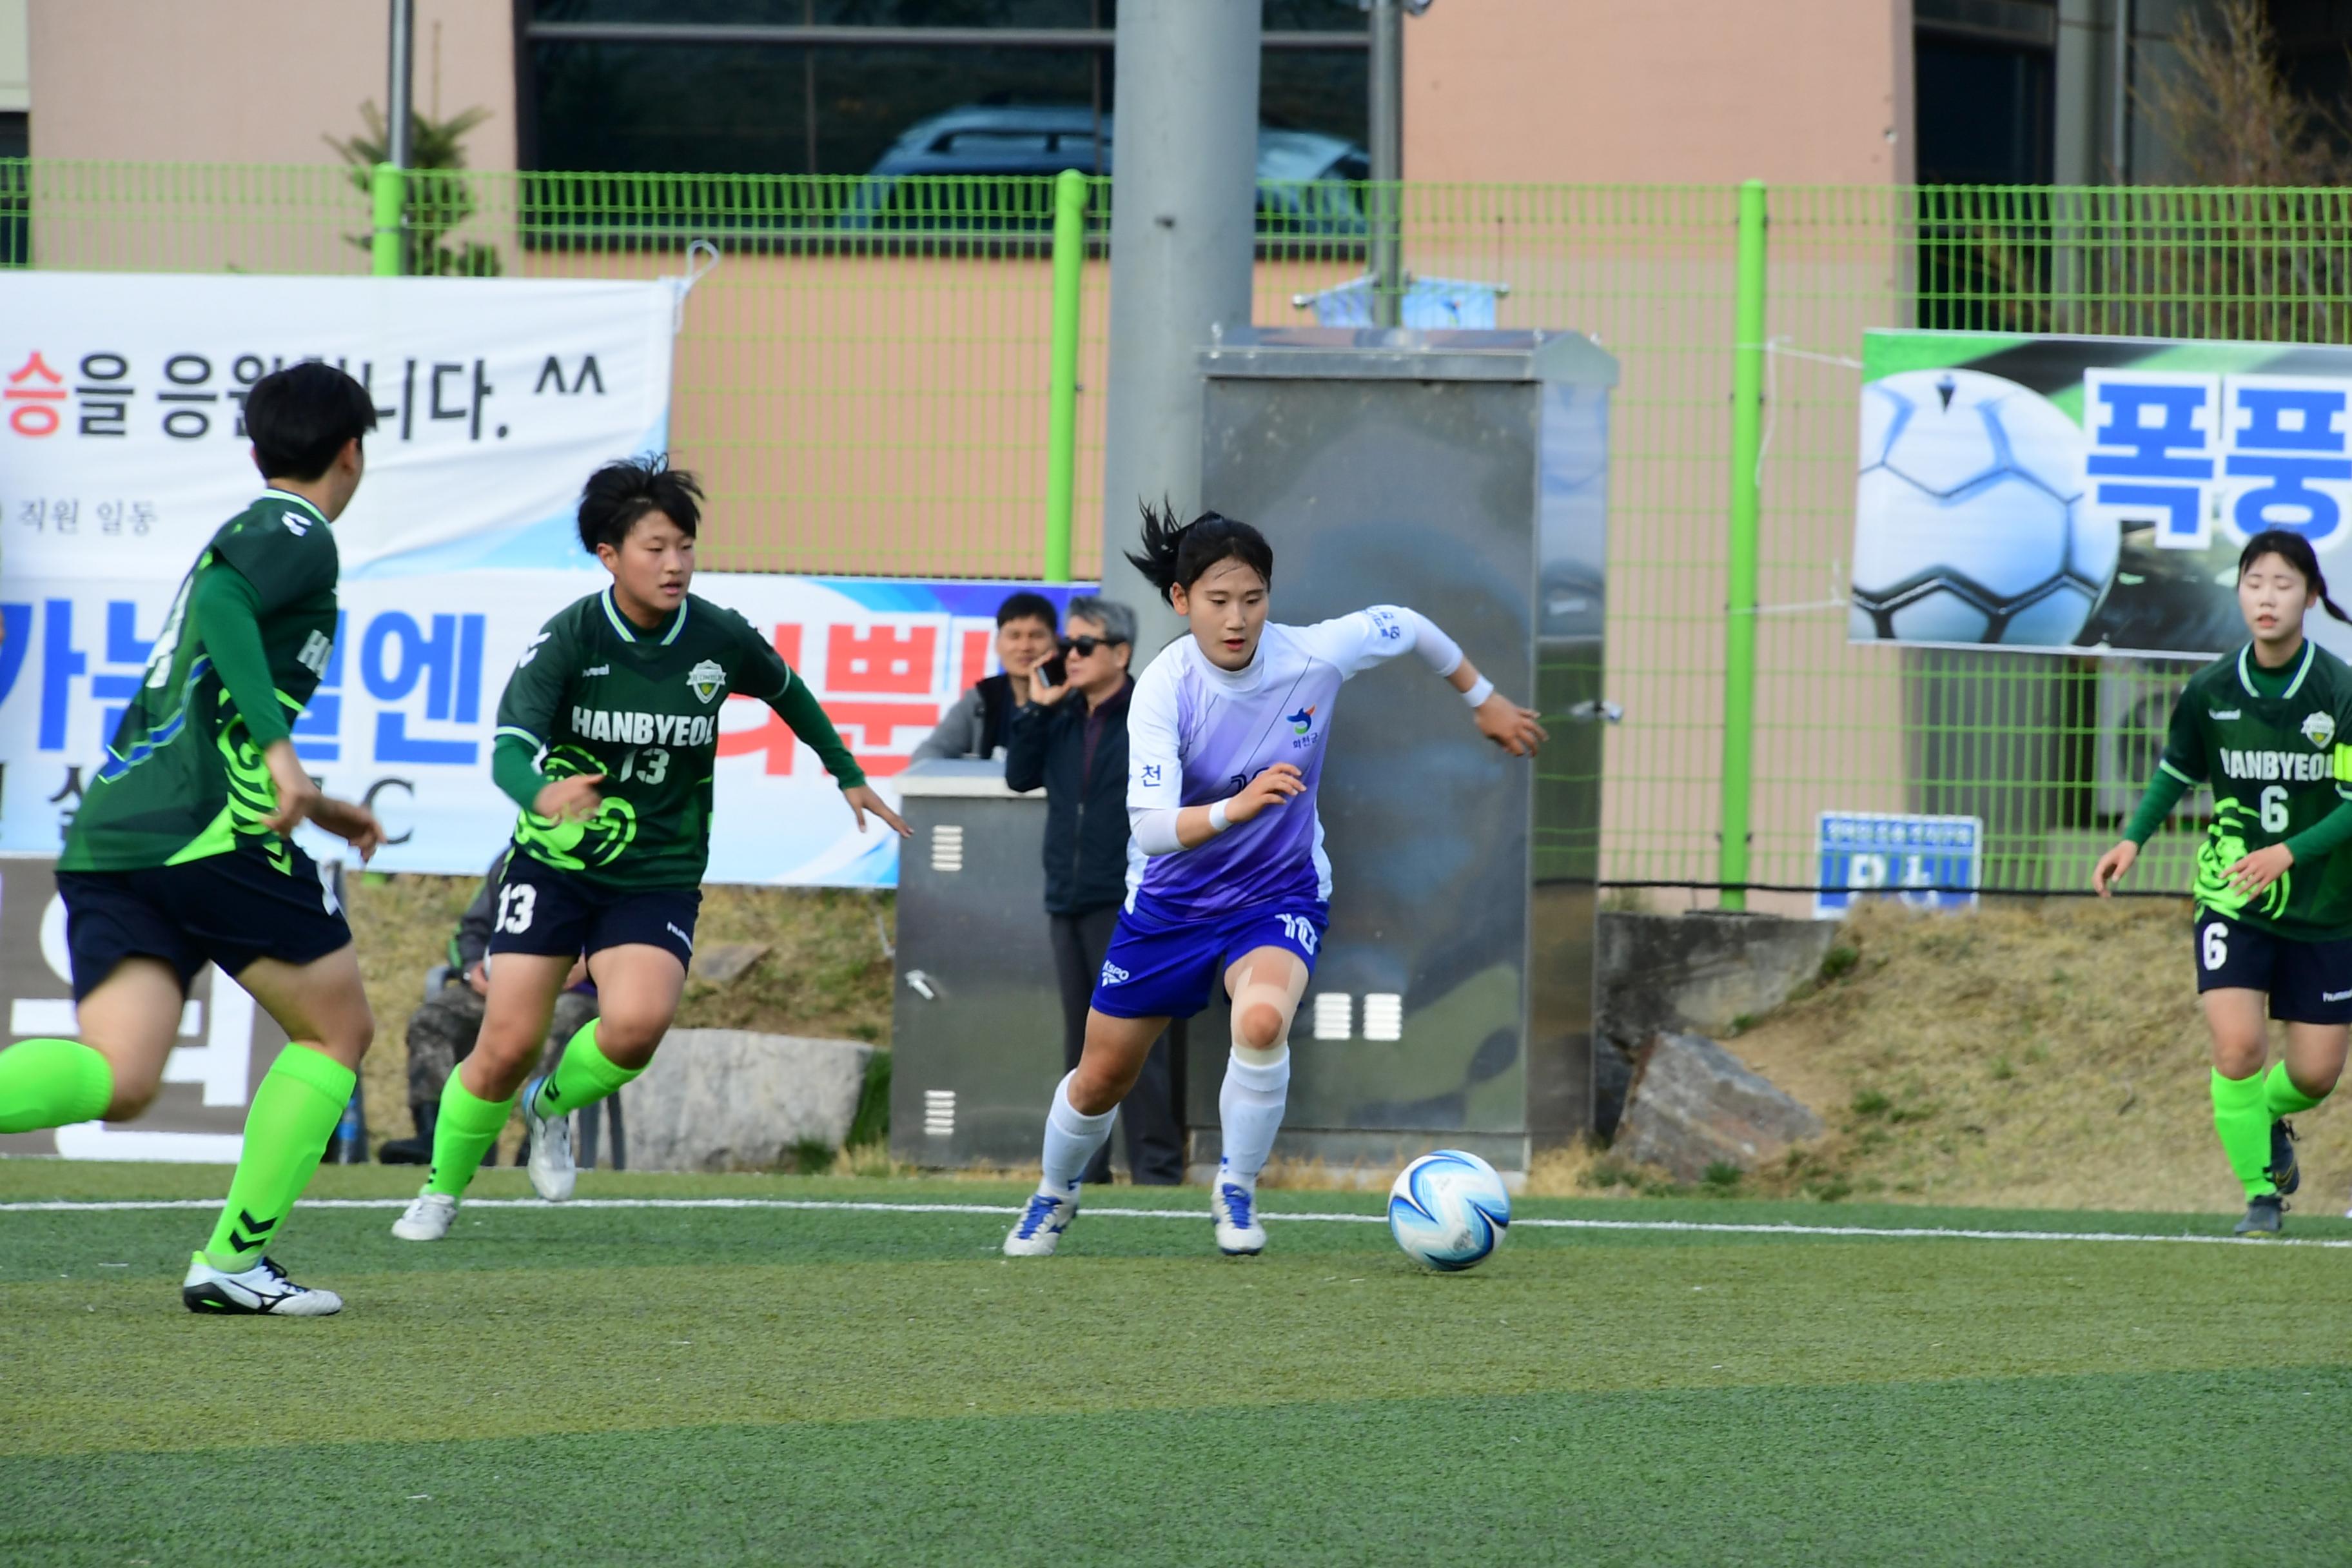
(1970, 521)
(1449, 1210)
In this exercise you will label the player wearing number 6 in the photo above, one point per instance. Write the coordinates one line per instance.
(1226, 736)
(2270, 727)
(607, 736)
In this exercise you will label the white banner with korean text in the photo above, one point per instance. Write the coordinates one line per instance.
(122, 447)
(404, 717)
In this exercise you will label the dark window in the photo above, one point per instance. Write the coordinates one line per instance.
(1985, 113)
(777, 107)
(16, 191)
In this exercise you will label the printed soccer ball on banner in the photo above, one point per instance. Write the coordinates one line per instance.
(1449, 1210)
(1969, 520)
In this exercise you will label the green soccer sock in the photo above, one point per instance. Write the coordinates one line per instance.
(2281, 1097)
(2243, 1117)
(294, 1113)
(584, 1077)
(52, 1083)
(462, 1134)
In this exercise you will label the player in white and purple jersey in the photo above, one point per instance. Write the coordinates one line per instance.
(1226, 733)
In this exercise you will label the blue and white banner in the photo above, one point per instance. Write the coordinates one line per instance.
(1925, 862)
(122, 444)
(403, 718)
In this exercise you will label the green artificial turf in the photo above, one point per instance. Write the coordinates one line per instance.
(840, 1386)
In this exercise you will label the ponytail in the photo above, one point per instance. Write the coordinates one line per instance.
(1178, 554)
(2295, 551)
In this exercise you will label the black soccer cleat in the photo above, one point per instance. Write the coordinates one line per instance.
(2285, 1172)
(2263, 1216)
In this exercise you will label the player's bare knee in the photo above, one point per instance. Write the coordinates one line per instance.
(131, 1096)
(1261, 1025)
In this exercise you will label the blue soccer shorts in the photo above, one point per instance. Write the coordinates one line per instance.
(1163, 966)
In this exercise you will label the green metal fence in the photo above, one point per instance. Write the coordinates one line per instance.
(870, 381)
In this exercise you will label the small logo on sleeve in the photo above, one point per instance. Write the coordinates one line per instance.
(1150, 774)
(706, 679)
(2319, 729)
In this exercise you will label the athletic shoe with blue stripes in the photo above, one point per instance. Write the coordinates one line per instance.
(1040, 1228)
(1235, 1209)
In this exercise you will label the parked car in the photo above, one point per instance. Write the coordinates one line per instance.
(1301, 173)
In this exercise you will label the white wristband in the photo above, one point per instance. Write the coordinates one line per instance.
(1480, 692)
(1218, 820)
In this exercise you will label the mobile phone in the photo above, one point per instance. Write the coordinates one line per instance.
(1055, 671)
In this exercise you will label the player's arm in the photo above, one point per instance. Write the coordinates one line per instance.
(2258, 871)
(760, 671)
(527, 710)
(226, 608)
(1382, 632)
(2180, 768)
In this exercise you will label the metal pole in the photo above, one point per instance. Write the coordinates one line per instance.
(2119, 130)
(1183, 229)
(398, 90)
(1387, 257)
(1061, 397)
(387, 191)
(1739, 607)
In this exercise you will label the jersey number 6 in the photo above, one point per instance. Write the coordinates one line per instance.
(2275, 809)
(2217, 946)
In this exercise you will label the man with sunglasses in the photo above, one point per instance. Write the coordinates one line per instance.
(1072, 740)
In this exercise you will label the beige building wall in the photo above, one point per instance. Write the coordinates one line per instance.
(1680, 92)
(254, 82)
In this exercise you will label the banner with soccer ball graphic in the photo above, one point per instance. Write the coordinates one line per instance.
(2089, 495)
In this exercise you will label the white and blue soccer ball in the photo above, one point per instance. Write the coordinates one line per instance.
(1449, 1210)
(1971, 525)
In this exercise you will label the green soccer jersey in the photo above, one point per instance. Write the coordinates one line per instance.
(2278, 748)
(183, 776)
(598, 695)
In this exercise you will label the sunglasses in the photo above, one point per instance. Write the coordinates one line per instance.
(1083, 647)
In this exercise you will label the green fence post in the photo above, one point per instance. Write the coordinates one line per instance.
(389, 190)
(1062, 398)
(1739, 560)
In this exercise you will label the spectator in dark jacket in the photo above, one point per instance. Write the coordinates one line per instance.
(975, 726)
(1072, 738)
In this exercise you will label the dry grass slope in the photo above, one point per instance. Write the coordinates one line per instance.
(825, 973)
(2041, 1055)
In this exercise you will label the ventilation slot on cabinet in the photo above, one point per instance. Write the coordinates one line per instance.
(947, 846)
(1383, 1016)
(1335, 1015)
(938, 1112)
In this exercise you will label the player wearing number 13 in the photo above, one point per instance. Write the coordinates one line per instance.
(2270, 727)
(607, 736)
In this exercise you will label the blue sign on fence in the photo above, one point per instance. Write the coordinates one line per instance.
(1928, 862)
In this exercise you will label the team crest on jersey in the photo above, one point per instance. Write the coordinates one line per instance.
(706, 679)
(1302, 721)
(2319, 729)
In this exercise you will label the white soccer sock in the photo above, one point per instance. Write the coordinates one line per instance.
(1249, 1106)
(1071, 1139)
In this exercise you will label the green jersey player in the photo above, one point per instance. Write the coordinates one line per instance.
(607, 736)
(2270, 727)
(179, 856)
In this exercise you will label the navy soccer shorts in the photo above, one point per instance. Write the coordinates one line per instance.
(228, 908)
(2308, 982)
(1160, 966)
(557, 915)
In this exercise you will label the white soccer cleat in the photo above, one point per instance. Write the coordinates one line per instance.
(262, 1290)
(427, 1219)
(552, 1174)
(1235, 1209)
(1041, 1223)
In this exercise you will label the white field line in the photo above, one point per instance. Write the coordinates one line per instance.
(1670, 1226)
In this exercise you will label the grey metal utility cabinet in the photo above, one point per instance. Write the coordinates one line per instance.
(1465, 474)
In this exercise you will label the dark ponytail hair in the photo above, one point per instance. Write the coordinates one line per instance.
(1178, 554)
(2297, 552)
